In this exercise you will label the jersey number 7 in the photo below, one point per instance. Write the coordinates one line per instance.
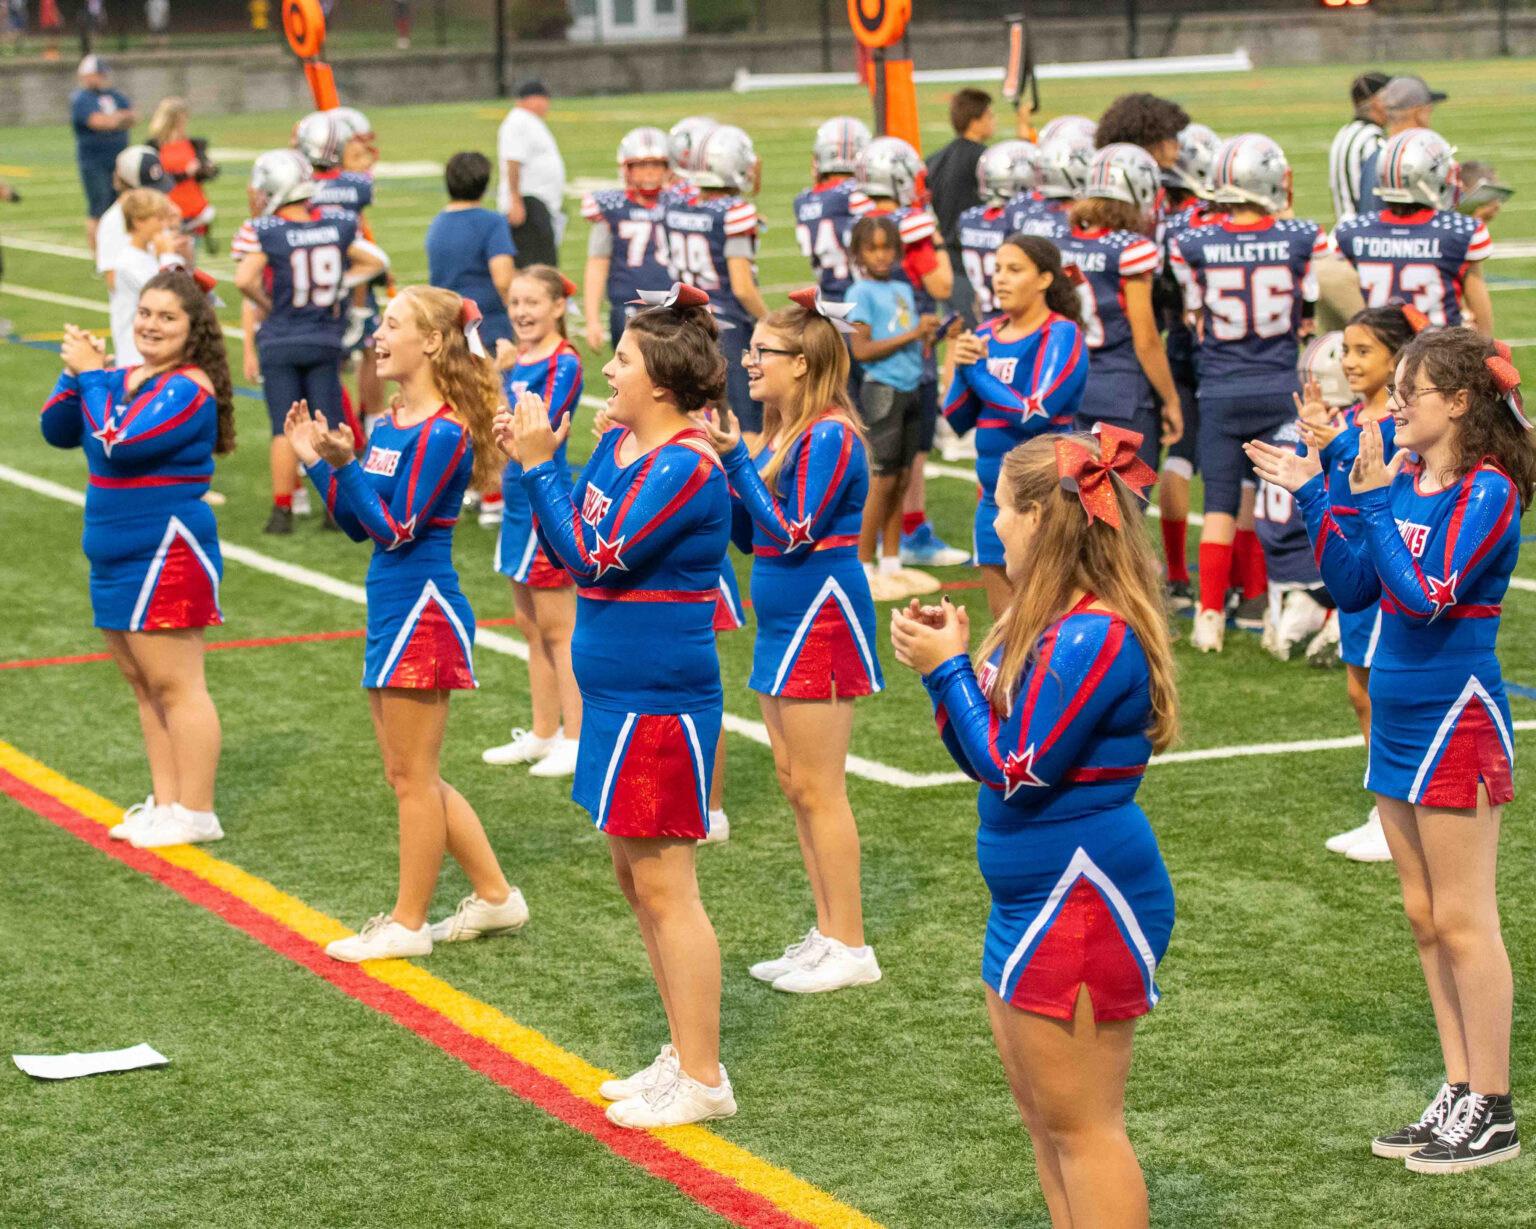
(636, 233)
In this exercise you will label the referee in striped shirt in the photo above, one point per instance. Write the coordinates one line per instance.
(1338, 288)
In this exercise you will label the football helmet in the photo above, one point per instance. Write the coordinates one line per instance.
(320, 137)
(1064, 163)
(890, 167)
(684, 135)
(1123, 172)
(1069, 126)
(838, 144)
(643, 145)
(1006, 169)
(281, 177)
(1251, 170)
(1197, 154)
(1323, 360)
(724, 158)
(1418, 167)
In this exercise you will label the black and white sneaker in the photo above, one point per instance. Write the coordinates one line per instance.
(1482, 1133)
(1179, 594)
(1407, 1140)
(1249, 614)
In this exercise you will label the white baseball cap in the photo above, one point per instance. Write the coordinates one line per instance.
(91, 65)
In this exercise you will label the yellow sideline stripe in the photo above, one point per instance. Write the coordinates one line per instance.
(794, 1195)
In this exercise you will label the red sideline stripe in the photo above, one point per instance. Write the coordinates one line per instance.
(716, 1192)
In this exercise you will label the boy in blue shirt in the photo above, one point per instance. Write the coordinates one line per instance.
(889, 342)
(470, 249)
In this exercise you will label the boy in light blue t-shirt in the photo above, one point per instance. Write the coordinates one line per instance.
(889, 343)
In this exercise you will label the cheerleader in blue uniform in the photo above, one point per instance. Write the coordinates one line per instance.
(1071, 692)
(545, 363)
(404, 496)
(645, 534)
(1436, 544)
(804, 496)
(1017, 376)
(150, 434)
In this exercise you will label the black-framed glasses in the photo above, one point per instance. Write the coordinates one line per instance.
(753, 356)
(1410, 398)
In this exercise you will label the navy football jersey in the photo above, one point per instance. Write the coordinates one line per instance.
(1105, 258)
(982, 229)
(1420, 257)
(1038, 215)
(347, 189)
(637, 246)
(824, 216)
(1250, 279)
(1180, 338)
(306, 261)
(701, 235)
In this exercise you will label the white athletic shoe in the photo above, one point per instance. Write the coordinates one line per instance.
(719, 829)
(1372, 847)
(134, 818)
(301, 504)
(489, 511)
(559, 762)
(524, 747)
(475, 918)
(175, 825)
(1210, 630)
(795, 955)
(834, 966)
(1301, 617)
(675, 1102)
(623, 1090)
(1342, 842)
(1323, 649)
(381, 938)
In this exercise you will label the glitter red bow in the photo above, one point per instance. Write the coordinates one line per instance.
(836, 314)
(1093, 477)
(1507, 379)
(1417, 320)
(568, 286)
(681, 295)
(469, 321)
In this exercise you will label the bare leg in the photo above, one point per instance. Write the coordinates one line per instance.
(1358, 681)
(626, 877)
(1047, 1162)
(410, 727)
(555, 611)
(171, 663)
(772, 718)
(543, 679)
(717, 778)
(284, 463)
(471, 849)
(1173, 496)
(885, 492)
(890, 537)
(157, 739)
(999, 591)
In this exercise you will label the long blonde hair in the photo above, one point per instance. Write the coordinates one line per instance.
(164, 120)
(469, 384)
(1069, 553)
(824, 388)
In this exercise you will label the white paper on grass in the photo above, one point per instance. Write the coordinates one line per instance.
(69, 1066)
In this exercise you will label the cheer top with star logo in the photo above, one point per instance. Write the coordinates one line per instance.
(645, 543)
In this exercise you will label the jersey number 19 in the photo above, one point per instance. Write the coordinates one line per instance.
(316, 275)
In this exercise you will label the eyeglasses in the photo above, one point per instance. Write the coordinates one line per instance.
(1408, 398)
(754, 356)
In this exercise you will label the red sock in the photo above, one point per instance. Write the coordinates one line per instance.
(1250, 564)
(1175, 535)
(911, 522)
(1215, 574)
(282, 501)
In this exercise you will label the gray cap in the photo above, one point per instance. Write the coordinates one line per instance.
(1404, 93)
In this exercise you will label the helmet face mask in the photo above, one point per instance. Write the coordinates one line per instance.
(1251, 170)
(643, 160)
(838, 144)
(1007, 169)
(1418, 167)
(890, 168)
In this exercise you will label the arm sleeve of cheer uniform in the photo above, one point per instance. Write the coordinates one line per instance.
(809, 487)
(1061, 699)
(1346, 570)
(1487, 509)
(438, 451)
(61, 423)
(565, 388)
(650, 525)
(962, 407)
(1060, 371)
(323, 475)
(165, 423)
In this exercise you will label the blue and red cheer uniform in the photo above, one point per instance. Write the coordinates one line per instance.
(557, 379)
(152, 542)
(1359, 630)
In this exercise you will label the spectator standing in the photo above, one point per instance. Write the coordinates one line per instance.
(1354, 146)
(138, 166)
(531, 188)
(186, 165)
(470, 249)
(101, 117)
(1406, 102)
(952, 179)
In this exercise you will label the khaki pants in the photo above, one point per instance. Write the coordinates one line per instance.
(1339, 296)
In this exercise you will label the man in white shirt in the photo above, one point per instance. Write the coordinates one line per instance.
(1339, 295)
(531, 184)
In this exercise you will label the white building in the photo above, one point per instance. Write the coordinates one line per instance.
(627, 21)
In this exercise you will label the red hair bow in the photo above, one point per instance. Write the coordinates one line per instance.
(836, 314)
(469, 321)
(1093, 477)
(681, 295)
(1507, 379)
(568, 286)
(206, 283)
(1417, 320)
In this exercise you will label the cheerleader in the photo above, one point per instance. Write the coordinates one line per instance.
(545, 363)
(1071, 692)
(804, 492)
(645, 536)
(1017, 376)
(150, 434)
(1436, 544)
(404, 496)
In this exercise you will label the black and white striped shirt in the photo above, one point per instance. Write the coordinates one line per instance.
(1356, 141)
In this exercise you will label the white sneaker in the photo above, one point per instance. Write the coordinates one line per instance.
(1342, 842)
(490, 511)
(1269, 637)
(301, 504)
(134, 818)
(719, 829)
(381, 938)
(175, 825)
(623, 1090)
(833, 966)
(675, 1102)
(475, 918)
(1302, 616)
(795, 955)
(525, 746)
(1372, 847)
(559, 762)
(1210, 630)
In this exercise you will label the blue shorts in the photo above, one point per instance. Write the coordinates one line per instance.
(1187, 449)
(1440, 731)
(292, 373)
(1226, 424)
(986, 546)
(738, 386)
(647, 774)
(96, 178)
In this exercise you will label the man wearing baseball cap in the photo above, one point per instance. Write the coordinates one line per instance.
(531, 181)
(1406, 102)
(101, 117)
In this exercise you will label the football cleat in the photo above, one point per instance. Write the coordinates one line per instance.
(838, 144)
(724, 158)
(1007, 169)
(1126, 173)
(1210, 630)
(1197, 155)
(891, 168)
(1064, 163)
(1251, 170)
(1418, 167)
(281, 177)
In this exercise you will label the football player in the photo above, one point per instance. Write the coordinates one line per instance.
(826, 211)
(627, 248)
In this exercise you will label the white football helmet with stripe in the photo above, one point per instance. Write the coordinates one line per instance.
(1006, 169)
(838, 144)
(1251, 170)
(724, 158)
(282, 176)
(1323, 361)
(1198, 146)
(1069, 126)
(1064, 162)
(320, 137)
(1418, 167)
(890, 167)
(684, 135)
(642, 145)
(1123, 172)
